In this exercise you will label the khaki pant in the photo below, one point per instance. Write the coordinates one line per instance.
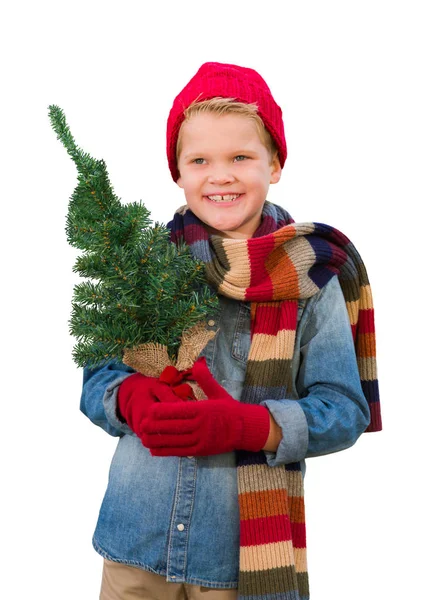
(121, 582)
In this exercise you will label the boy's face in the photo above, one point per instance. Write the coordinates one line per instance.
(223, 156)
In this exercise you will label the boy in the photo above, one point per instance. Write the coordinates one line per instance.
(205, 499)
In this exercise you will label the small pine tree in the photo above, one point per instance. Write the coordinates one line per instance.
(140, 287)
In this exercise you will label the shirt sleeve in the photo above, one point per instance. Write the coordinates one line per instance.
(332, 411)
(99, 396)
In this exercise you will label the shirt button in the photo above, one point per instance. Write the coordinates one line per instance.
(210, 323)
(181, 527)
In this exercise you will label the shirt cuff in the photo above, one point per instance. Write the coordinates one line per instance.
(110, 405)
(290, 417)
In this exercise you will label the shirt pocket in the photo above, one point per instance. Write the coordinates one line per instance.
(241, 338)
(300, 308)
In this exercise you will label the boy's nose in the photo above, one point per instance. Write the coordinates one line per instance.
(221, 176)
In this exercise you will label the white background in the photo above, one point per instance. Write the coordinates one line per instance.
(349, 77)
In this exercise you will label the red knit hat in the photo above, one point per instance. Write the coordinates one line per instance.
(226, 81)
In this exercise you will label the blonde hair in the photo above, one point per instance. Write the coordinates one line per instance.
(223, 106)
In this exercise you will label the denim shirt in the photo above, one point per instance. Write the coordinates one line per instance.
(179, 517)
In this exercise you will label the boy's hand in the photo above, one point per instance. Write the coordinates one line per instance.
(213, 426)
(136, 395)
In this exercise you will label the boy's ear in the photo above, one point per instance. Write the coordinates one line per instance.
(179, 182)
(276, 170)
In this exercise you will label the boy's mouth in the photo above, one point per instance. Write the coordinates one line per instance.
(224, 197)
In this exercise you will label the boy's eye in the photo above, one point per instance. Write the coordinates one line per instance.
(200, 161)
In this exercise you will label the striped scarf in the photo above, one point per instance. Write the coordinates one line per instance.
(282, 262)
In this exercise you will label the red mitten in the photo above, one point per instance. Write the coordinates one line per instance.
(133, 399)
(135, 396)
(213, 426)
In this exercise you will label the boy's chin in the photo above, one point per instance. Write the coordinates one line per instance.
(230, 226)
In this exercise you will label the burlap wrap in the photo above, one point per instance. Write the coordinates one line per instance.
(151, 359)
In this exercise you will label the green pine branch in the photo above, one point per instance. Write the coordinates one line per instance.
(140, 286)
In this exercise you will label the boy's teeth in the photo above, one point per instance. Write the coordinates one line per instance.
(227, 198)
